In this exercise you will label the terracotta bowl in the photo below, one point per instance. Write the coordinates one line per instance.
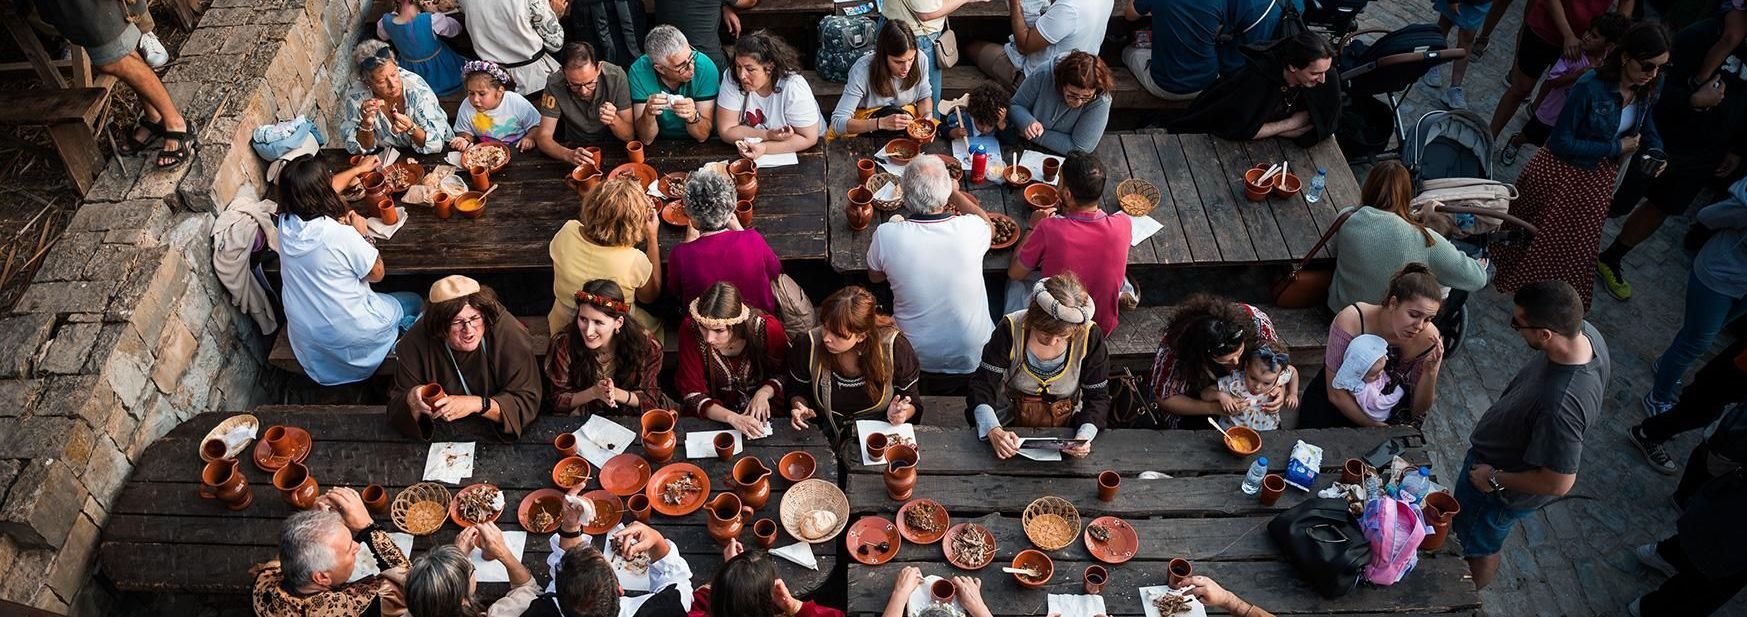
(901, 150)
(608, 509)
(1288, 185)
(571, 466)
(953, 167)
(455, 505)
(642, 172)
(1042, 196)
(625, 474)
(797, 466)
(466, 155)
(1122, 544)
(674, 214)
(912, 534)
(1016, 175)
(1035, 560)
(471, 204)
(1012, 237)
(673, 184)
(1242, 440)
(921, 130)
(544, 500)
(667, 474)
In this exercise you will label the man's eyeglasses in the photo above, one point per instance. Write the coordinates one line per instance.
(583, 88)
(1519, 326)
(468, 323)
(683, 67)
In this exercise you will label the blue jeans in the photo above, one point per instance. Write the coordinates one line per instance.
(925, 45)
(412, 306)
(1706, 313)
(1484, 522)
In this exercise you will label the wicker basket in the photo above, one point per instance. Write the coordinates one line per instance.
(416, 496)
(1051, 523)
(810, 496)
(877, 183)
(1137, 197)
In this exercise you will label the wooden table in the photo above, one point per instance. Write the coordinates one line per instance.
(162, 537)
(1197, 514)
(533, 203)
(1205, 218)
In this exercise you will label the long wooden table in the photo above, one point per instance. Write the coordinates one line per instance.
(161, 537)
(1204, 216)
(1197, 513)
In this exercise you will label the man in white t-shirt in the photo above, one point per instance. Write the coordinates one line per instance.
(934, 261)
(1066, 25)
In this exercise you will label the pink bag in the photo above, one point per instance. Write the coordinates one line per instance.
(1395, 531)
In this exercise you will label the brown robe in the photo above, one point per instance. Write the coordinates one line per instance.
(513, 379)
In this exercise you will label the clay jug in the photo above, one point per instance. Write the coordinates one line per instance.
(659, 441)
(296, 485)
(745, 174)
(375, 184)
(1440, 509)
(900, 471)
(221, 480)
(860, 208)
(727, 516)
(751, 481)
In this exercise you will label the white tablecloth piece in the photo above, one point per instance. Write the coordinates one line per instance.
(1075, 605)
(490, 571)
(863, 428)
(449, 461)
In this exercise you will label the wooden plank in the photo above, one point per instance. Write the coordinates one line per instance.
(1221, 197)
(27, 42)
(848, 248)
(1168, 245)
(1343, 188)
(1186, 199)
(1296, 224)
(1264, 233)
(1322, 211)
(368, 424)
(47, 107)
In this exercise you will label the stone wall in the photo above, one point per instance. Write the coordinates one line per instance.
(125, 332)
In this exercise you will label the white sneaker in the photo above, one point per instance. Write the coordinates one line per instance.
(153, 50)
(1454, 98)
(1647, 555)
(1433, 78)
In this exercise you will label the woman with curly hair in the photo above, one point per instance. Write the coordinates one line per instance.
(854, 366)
(1044, 366)
(1205, 340)
(601, 243)
(1064, 107)
(765, 106)
(603, 363)
(722, 251)
(730, 360)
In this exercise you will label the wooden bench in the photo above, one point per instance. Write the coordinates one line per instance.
(960, 79)
(282, 356)
(1303, 331)
(73, 117)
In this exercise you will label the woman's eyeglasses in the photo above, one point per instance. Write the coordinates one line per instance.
(1651, 67)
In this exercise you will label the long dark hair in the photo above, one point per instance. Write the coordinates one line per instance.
(1414, 281)
(723, 301)
(850, 311)
(630, 345)
(1203, 327)
(1643, 42)
(306, 189)
(894, 39)
(769, 50)
(742, 588)
(1389, 187)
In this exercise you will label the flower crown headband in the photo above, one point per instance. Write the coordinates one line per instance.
(1069, 314)
(490, 68)
(715, 323)
(614, 305)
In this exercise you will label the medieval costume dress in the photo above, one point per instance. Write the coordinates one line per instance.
(365, 596)
(707, 377)
(503, 369)
(1024, 391)
(843, 400)
(639, 379)
(1238, 104)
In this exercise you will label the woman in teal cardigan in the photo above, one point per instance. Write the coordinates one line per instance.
(1381, 237)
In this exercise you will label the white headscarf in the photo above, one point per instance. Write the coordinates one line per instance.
(1362, 353)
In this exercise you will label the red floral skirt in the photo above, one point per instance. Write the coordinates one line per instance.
(1567, 205)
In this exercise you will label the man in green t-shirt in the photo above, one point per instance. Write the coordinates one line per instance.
(673, 88)
(590, 97)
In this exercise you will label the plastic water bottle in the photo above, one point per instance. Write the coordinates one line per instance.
(1317, 184)
(1415, 486)
(1253, 479)
(979, 163)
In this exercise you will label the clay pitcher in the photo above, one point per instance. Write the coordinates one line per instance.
(900, 471)
(727, 516)
(745, 173)
(375, 184)
(659, 441)
(296, 485)
(221, 480)
(860, 208)
(1440, 509)
(751, 481)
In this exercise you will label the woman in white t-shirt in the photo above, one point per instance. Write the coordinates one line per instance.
(887, 89)
(765, 106)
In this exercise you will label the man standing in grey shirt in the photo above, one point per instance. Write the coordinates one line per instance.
(1526, 449)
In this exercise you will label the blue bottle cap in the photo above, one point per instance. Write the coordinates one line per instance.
(1320, 170)
(1425, 471)
(979, 149)
(1263, 460)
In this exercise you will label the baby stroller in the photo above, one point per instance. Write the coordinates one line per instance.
(1388, 66)
(1449, 155)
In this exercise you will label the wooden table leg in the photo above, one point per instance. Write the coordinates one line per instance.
(77, 144)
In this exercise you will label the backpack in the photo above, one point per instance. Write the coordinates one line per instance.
(843, 39)
(1323, 544)
(1394, 530)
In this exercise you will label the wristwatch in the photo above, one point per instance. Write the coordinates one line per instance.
(1492, 480)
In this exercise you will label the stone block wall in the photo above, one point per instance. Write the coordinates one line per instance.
(125, 332)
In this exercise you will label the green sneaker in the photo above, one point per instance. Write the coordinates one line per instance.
(1617, 285)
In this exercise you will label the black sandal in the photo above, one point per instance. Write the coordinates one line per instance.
(134, 145)
(184, 142)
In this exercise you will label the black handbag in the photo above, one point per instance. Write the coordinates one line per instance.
(1321, 539)
(1131, 406)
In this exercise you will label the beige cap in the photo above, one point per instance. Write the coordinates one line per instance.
(452, 287)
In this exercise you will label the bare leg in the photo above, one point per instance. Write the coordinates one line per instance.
(133, 71)
(1484, 569)
(1493, 16)
(1464, 40)
(1520, 87)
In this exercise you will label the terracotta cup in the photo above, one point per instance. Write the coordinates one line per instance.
(638, 506)
(1254, 190)
(443, 203)
(1050, 168)
(431, 393)
(1352, 471)
(743, 212)
(1108, 481)
(214, 448)
(724, 443)
(481, 177)
(764, 531)
(296, 485)
(385, 211)
(1095, 577)
(1273, 486)
(876, 447)
(634, 149)
(566, 444)
(375, 499)
(864, 169)
(279, 440)
(1178, 570)
(942, 591)
(1446, 506)
(594, 152)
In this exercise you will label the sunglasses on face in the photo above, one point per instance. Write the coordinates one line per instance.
(375, 61)
(1651, 67)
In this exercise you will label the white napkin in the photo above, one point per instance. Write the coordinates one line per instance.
(490, 571)
(784, 159)
(1075, 605)
(960, 152)
(654, 190)
(629, 580)
(888, 166)
(888, 192)
(1146, 602)
(702, 444)
(801, 553)
(869, 427)
(383, 231)
(921, 598)
(439, 467)
(454, 158)
(1033, 160)
(238, 437)
(1141, 228)
(365, 563)
(601, 439)
(1038, 454)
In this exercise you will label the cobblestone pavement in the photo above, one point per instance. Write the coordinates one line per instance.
(1574, 557)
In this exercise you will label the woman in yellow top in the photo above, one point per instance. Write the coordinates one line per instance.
(602, 243)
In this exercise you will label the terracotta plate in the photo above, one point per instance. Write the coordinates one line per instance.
(668, 474)
(263, 454)
(625, 474)
(1011, 240)
(953, 167)
(673, 184)
(549, 500)
(455, 510)
(1121, 547)
(608, 508)
(946, 545)
(941, 520)
(565, 464)
(486, 145)
(218, 432)
(674, 214)
(641, 171)
(869, 533)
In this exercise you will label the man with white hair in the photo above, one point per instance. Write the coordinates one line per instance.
(673, 88)
(934, 262)
(317, 550)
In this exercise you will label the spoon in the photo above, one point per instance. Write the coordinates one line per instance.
(1023, 571)
(1216, 425)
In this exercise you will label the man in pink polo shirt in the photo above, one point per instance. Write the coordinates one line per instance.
(1081, 238)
